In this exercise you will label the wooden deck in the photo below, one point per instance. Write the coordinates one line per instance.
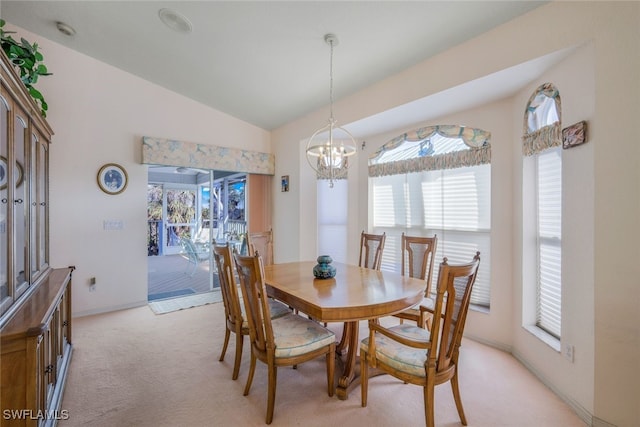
(172, 273)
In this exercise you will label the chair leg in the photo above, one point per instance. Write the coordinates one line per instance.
(252, 370)
(238, 359)
(364, 377)
(226, 342)
(428, 404)
(331, 363)
(456, 397)
(271, 398)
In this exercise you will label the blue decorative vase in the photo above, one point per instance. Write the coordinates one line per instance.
(324, 269)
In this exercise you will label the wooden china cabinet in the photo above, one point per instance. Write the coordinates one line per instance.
(35, 300)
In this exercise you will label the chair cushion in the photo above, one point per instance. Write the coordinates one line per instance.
(399, 356)
(295, 335)
(278, 309)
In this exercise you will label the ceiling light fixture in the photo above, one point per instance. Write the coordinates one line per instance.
(330, 147)
(182, 169)
(175, 21)
(65, 29)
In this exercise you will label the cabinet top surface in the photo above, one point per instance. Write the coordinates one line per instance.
(32, 316)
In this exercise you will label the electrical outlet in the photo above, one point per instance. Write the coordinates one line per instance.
(569, 349)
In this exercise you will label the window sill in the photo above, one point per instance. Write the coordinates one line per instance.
(543, 336)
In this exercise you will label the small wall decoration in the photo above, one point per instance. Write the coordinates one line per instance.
(4, 173)
(285, 183)
(112, 178)
(574, 135)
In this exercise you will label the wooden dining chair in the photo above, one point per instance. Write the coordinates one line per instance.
(417, 261)
(261, 242)
(418, 356)
(371, 247)
(235, 319)
(285, 341)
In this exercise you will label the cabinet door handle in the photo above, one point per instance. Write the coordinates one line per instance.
(18, 201)
(48, 369)
(4, 200)
(43, 204)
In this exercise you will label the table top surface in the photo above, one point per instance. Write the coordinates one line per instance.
(355, 293)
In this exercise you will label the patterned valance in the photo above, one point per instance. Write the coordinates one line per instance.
(542, 139)
(158, 151)
(539, 132)
(458, 159)
(477, 153)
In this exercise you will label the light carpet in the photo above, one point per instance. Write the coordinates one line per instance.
(175, 304)
(133, 368)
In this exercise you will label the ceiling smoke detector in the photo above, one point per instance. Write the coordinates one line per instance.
(175, 21)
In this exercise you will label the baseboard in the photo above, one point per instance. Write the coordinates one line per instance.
(597, 422)
(110, 309)
(499, 346)
(582, 413)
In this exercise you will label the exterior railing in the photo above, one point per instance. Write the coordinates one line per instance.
(232, 230)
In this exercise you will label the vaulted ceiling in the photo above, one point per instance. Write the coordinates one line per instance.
(264, 62)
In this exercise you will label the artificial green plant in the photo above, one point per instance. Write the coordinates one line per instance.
(28, 60)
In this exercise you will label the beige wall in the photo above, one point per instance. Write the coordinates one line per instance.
(602, 310)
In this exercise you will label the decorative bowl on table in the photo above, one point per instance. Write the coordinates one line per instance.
(324, 269)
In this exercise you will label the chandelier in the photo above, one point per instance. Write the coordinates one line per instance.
(330, 147)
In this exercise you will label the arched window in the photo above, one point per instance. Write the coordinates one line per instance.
(432, 148)
(542, 141)
(436, 180)
(542, 119)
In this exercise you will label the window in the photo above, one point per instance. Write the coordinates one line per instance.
(332, 219)
(431, 181)
(542, 142)
(549, 227)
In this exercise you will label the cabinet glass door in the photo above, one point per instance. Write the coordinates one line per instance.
(43, 204)
(38, 224)
(20, 210)
(5, 294)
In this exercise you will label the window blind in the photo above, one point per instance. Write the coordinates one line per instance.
(455, 204)
(549, 191)
(332, 219)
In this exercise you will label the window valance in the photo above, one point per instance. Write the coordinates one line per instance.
(159, 151)
(542, 124)
(432, 148)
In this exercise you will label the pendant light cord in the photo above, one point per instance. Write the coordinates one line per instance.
(331, 82)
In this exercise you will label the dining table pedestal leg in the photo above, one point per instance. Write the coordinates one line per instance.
(350, 339)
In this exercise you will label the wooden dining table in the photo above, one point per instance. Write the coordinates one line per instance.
(354, 294)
